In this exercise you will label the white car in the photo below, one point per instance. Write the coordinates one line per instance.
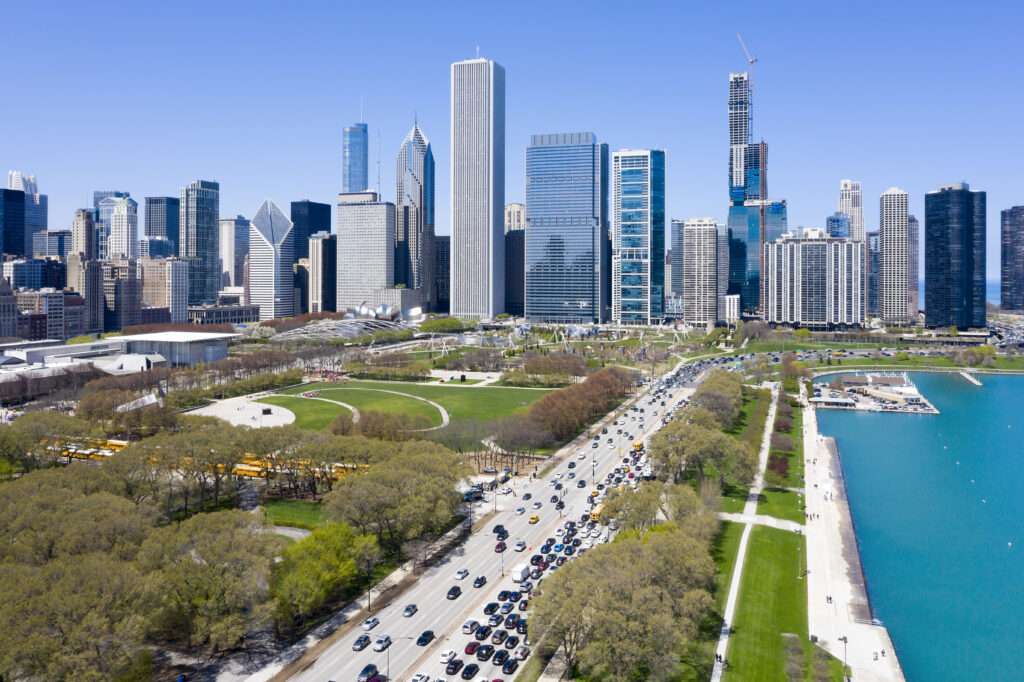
(461, 574)
(447, 655)
(505, 491)
(382, 643)
(559, 531)
(371, 622)
(537, 505)
(520, 510)
(520, 545)
(582, 455)
(420, 677)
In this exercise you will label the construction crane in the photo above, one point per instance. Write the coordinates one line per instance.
(750, 59)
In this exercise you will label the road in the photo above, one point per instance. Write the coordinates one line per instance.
(445, 617)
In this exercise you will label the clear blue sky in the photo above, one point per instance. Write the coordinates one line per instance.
(254, 94)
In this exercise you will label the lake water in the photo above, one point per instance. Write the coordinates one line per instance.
(936, 501)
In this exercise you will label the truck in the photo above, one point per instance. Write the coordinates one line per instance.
(520, 572)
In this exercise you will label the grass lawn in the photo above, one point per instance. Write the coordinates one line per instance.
(295, 513)
(309, 414)
(782, 346)
(782, 504)
(773, 605)
(723, 550)
(733, 498)
(390, 403)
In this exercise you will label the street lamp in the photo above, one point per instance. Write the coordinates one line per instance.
(845, 640)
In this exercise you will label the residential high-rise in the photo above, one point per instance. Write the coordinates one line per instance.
(414, 206)
(874, 269)
(678, 236)
(739, 135)
(355, 145)
(49, 302)
(83, 234)
(700, 271)
(477, 188)
(747, 235)
(36, 205)
(232, 249)
(51, 244)
(892, 282)
(271, 262)
(123, 239)
(122, 294)
(163, 219)
(1011, 262)
(165, 285)
(442, 271)
(8, 311)
(814, 280)
(838, 225)
(199, 213)
(638, 236)
(86, 277)
(308, 217)
(851, 202)
(515, 214)
(954, 262)
(568, 254)
(323, 273)
(515, 272)
(913, 268)
(12, 222)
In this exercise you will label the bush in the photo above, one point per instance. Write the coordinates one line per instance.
(442, 325)
(782, 442)
(783, 424)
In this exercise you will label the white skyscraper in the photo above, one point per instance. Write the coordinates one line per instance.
(36, 205)
(124, 227)
(515, 217)
(851, 202)
(271, 259)
(232, 248)
(477, 189)
(700, 271)
(893, 306)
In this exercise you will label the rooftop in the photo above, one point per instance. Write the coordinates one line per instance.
(178, 337)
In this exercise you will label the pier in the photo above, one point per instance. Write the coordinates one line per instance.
(873, 392)
(970, 377)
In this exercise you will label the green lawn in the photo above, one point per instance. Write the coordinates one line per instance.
(782, 504)
(782, 346)
(378, 401)
(772, 610)
(296, 513)
(309, 414)
(723, 551)
(732, 499)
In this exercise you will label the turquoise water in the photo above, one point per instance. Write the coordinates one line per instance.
(935, 500)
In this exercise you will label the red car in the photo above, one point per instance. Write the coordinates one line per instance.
(471, 648)
(500, 547)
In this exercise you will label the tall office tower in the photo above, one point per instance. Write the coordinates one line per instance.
(355, 145)
(156, 247)
(874, 268)
(515, 215)
(477, 188)
(838, 225)
(414, 206)
(752, 224)
(24, 273)
(814, 280)
(86, 277)
(163, 219)
(892, 281)
(723, 275)
(83, 234)
(8, 311)
(165, 285)
(300, 287)
(913, 268)
(199, 213)
(101, 217)
(568, 255)
(51, 244)
(1011, 262)
(954, 261)
(442, 271)
(232, 248)
(851, 202)
(638, 236)
(36, 205)
(678, 227)
(12, 222)
(515, 272)
(700, 271)
(323, 273)
(308, 217)
(739, 135)
(123, 240)
(122, 294)
(271, 262)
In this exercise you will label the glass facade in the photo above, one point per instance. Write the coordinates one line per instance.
(838, 225)
(162, 219)
(308, 218)
(638, 236)
(746, 242)
(874, 270)
(354, 158)
(567, 257)
(954, 263)
(1012, 259)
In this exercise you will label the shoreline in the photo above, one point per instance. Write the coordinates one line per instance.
(839, 611)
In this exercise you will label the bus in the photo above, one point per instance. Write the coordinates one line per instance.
(595, 513)
(638, 446)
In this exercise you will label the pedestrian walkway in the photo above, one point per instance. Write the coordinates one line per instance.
(762, 520)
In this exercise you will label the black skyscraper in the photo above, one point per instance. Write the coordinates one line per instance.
(442, 271)
(515, 275)
(1012, 261)
(12, 222)
(163, 219)
(308, 218)
(954, 257)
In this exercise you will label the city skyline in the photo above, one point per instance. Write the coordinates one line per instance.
(864, 142)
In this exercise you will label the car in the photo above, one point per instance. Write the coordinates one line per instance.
(367, 672)
(454, 592)
(500, 547)
(512, 642)
(515, 596)
(479, 581)
(499, 636)
(425, 638)
(502, 536)
(507, 607)
(382, 643)
(482, 633)
(498, 528)
(503, 595)
(453, 667)
(409, 610)
(572, 465)
(520, 510)
(520, 545)
(558, 486)
(471, 648)
(510, 667)
(534, 519)
(461, 574)
(371, 622)
(537, 505)
(420, 677)
(495, 620)
(527, 496)
(554, 498)
(559, 505)
(582, 455)
(521, 653)
(491, 608)
(447, 655)
(521, 627)
(362, 641)
(469, 627)
(572, 474)
(511, 620)
(484, 652)
(470, 671)
(581, 483)
(500, 656)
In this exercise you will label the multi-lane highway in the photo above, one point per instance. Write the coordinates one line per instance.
(443, 616)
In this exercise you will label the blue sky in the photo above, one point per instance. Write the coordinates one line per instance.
(146, 97)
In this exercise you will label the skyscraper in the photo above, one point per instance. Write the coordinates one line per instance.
(851, 202)
(86, 277)
(51, 244)
(83, 235)
(568, 255)
(199, 213)
(122, 294)
(954, 262)
(414, 207)
(12, 222)
(678, 227)
(101, 217)
(162, 219)
(739, 135)
(1011, 262)
(271, 261)
(477, 188)
(892, 283)
(165, 285)
(515, 272)
(323, 273)
(442, 271)
(838, 225)
(515, 216)
(308, 217)
(700, 271)
(874, 267)
(355, 158)
(232, 250)
(123, 240)
(913, 268)
(36, 205)
(638, 236)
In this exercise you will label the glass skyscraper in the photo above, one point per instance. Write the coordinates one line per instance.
(838, 225)
(414, 205)
(638, 236)
(199, 216)
(954, 262)
(1011, 265)
(162, 219)
(308, 218)
(568, 257)
(355, 158)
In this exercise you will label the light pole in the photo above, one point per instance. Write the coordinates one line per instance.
(845, 640)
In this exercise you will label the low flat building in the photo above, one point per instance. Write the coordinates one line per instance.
(223, 314)
(180, 348)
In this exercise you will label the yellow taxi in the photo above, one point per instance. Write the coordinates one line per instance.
(534, 519)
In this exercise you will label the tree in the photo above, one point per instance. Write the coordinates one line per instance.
(802, 334)
(722, 394)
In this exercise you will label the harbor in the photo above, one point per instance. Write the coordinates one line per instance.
(872, 392)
